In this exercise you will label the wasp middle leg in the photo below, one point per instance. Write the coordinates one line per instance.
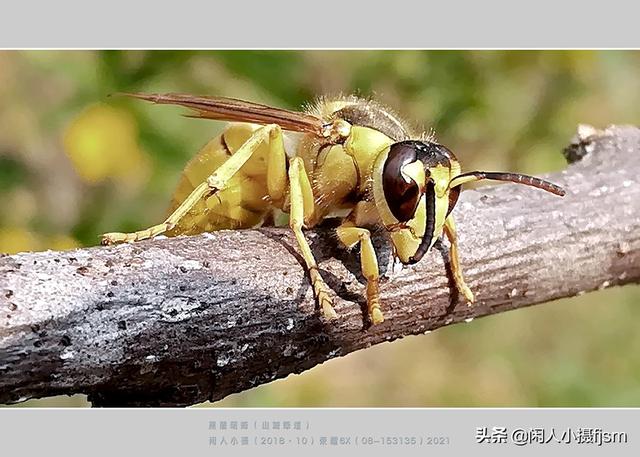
(218, 181)
(450, 231)
(351, 235)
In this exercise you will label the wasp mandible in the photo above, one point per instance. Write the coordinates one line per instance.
(344, 157)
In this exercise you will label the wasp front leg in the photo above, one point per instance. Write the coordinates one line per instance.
(217, 182)
(302, 201)
(452, 236)
(350, 235)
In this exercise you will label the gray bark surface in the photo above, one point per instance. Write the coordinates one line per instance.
(179, 321)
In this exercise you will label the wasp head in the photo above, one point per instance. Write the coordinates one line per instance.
(416, 184)
(412, 194)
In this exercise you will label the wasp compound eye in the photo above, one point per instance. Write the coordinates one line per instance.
(401, 192)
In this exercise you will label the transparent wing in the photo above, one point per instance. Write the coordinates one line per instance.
(231, 109)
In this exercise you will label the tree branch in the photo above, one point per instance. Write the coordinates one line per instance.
(184, 320)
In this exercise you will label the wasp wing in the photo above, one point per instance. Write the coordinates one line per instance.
(231, 109)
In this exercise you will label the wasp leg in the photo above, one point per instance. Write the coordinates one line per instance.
(301, 197)
(450, 231)
(277, 168)
(116, 237)
(216, 182)
(351, 235)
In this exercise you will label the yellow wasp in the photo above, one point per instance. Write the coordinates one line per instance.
(344, 157)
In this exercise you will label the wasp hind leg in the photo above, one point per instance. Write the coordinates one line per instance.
(350, 235)
(302, 202)
(450, 231)
(216, 182)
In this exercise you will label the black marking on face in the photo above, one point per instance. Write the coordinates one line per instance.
(432, 154)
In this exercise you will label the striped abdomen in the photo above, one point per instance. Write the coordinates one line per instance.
(243, 204)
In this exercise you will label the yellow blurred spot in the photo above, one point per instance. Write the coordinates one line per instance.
(15, 239)
(62, 243)
(20, 239)
(102, 143)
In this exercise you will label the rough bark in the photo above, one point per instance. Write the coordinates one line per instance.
(184, 320)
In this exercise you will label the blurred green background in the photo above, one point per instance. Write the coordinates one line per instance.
(75, 163)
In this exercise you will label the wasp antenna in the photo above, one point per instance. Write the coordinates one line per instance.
(510, 177)
(430, 211)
